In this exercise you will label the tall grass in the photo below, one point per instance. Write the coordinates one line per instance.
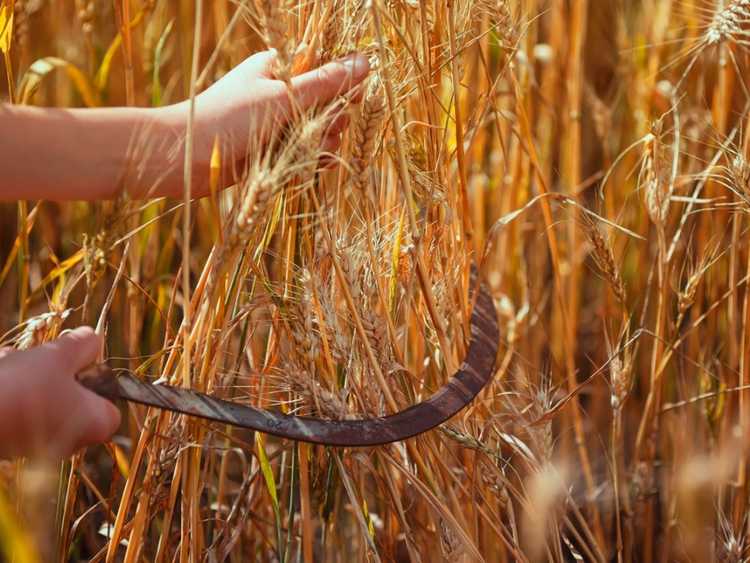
(591, 157)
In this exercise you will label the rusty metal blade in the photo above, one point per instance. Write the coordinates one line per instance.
(476, 371)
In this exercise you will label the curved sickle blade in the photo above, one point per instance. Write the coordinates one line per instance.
(476, 371)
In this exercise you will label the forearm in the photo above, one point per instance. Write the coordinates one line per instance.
(90, 154)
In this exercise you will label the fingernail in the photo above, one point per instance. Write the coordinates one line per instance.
(79, 332)
(357, 65)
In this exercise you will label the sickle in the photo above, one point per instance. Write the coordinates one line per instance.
(475, 373)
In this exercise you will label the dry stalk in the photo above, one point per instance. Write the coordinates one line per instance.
(274, 28)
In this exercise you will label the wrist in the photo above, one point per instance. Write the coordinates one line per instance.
(173, 122)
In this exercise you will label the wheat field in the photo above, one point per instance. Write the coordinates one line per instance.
(590, 157)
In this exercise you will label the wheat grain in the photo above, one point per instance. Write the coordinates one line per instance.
(365, 133)
(656, 186)
(727, 23)
(41, 328)
(274, 26)
(605, 260)
(258, 191)
(21, 26)
(86, 15)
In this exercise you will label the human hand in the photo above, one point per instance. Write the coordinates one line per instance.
(245, 107)
(44, 412)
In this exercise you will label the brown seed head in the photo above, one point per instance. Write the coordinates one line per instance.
(366, 131)
(605, 260)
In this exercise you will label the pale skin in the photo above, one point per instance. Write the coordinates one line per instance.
(82, 154)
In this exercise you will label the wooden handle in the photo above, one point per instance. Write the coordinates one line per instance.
(101, 380)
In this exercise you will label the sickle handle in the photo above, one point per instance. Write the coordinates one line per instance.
(100, 379)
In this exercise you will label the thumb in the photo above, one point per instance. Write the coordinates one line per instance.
(323, 84)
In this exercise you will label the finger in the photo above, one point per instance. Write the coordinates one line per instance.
(321, 85)
(69, 354)
(4, 351)
(78, 418)
(259, 65)
(76, 349)
(357, 93)
(80, 429)
(329, 146)
(52, 416)
(97, 419)
(337, 125)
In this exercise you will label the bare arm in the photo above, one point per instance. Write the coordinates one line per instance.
(90, 154)
(72, 154)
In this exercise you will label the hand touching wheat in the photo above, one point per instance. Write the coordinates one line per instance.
(94, 153)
